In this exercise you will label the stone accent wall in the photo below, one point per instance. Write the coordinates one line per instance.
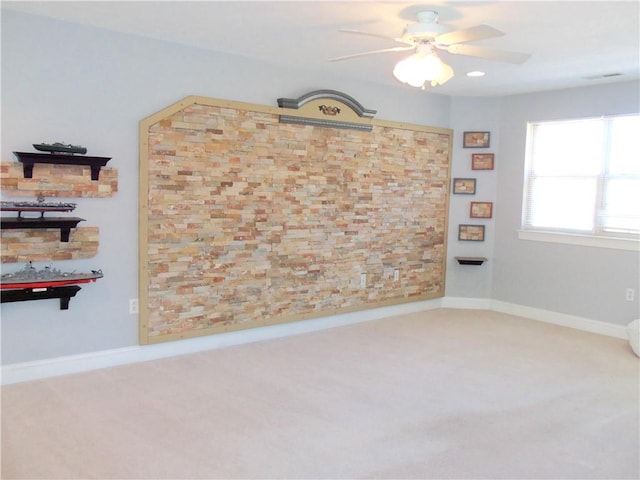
(251, 222)
(67, 181)
(45, 245)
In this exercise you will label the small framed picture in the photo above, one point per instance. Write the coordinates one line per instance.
(482, 161)
(471, 233)
(464, 186)
(481, 210)
(476, 139)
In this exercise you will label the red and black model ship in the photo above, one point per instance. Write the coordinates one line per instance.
(33, 284)
(31, 278)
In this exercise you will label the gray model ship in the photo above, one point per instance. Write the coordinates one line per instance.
(58, 147)
(40, 206)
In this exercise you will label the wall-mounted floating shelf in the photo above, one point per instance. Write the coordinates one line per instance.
(28, 159)
(64, 293)
(471, 260)
(65, 224)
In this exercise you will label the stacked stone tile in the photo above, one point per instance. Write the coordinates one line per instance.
(253, 222)
(49, 180)
(53, 181)
(44, 245)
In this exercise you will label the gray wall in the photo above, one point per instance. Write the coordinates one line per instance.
(584, 281)
(76, 84)
(63, 82)
(472, 114)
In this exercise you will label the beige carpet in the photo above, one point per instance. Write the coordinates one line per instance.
(438, 394)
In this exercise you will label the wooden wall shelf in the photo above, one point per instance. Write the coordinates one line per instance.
(28, 159)
(65, 224)
(471, 260)
(64, 293)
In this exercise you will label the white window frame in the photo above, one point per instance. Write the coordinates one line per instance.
(599, 237)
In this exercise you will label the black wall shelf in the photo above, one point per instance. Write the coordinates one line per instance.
(64, 293)
(471, 260)
(65, 224)
(28, 159)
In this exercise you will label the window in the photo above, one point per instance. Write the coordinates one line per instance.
(583, 177)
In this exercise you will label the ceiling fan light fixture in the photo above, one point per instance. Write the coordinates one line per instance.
(422, 67)
(407, 70)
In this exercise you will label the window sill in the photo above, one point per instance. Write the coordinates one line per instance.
(584, 240)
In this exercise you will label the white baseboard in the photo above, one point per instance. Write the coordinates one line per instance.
(562, 319)
(466, 303)
(27, 371)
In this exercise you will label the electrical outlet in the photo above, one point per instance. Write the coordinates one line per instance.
(630, 294)
(133, 306)
(363, 280)
(396, 275)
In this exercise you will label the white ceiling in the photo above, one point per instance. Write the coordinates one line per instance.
(568, 40)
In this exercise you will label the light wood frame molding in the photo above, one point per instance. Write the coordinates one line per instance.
(426, 254)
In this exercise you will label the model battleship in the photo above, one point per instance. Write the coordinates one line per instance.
(58, 147)
(30, 277)
(38, 206)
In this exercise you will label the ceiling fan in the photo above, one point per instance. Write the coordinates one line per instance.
(425, 37)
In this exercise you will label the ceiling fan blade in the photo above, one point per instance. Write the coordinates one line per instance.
(471, 34)
(358, 32)
(489, 53)
(372, 52)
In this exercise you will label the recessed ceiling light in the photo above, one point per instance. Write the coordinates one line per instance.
(475, 73)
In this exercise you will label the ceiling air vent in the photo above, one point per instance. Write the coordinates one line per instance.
(604, 75)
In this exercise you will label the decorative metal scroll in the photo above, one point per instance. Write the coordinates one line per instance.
(327, 108)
